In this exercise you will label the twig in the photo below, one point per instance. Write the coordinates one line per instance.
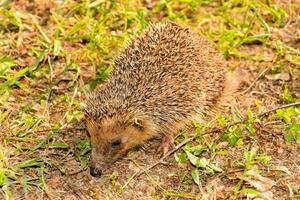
(257, 78)
(72, 173)
(60, 130)
(34, 125)
(213, 130)
(47, 102)
(50, 91)
(278, 108)
(48, 193)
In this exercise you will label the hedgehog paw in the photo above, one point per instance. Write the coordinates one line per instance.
(166, 144)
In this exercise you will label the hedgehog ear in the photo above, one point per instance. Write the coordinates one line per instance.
(138, 124)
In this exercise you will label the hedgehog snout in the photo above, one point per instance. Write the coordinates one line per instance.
(96, 168)
(96, 172)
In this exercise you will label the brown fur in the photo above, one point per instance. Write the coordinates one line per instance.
(161, 81)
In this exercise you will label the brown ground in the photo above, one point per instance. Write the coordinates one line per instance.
(282, 173)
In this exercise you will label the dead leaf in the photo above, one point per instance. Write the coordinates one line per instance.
(283, 169)
(281, 76)
(214, 189)
(262, 184)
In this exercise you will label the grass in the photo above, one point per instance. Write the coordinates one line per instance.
(52, 54)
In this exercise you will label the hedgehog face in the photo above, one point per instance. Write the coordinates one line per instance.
(111, 138)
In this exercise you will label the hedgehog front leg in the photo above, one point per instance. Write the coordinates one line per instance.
(169, 132)
(166, 144)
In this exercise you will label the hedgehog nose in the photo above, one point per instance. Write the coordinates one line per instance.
(95, 172)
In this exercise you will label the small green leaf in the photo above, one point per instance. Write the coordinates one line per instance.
(250, 155)
(232, 135)
(82, 147)
(59, 145)
(264, 158)
(286, 95)
(21, 73)
(249, 191)
(34, 162)
(292, 132)
(5, 64)
(250, 129)
(196, 150)
(289, 137)
(198, 125)
(56, 47)
(195, 176)
(40, 58)
(181, 158)
(75, 116)
(294, 128)
(2, 177)
(250, 115)
(215, 168)
(203, 162)
(222, 120)
(254, 38)
(114, 176)
(287, 114)
(193, 159)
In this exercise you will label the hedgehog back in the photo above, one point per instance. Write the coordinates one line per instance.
(168, 74)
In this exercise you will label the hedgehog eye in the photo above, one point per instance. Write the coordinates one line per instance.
(116, 143)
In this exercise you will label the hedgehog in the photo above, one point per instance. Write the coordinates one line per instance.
(161, 82)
